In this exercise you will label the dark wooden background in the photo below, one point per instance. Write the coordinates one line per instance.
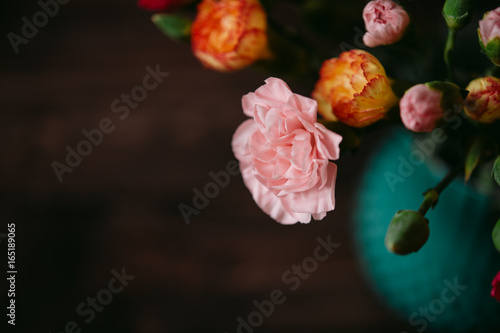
(119, 208)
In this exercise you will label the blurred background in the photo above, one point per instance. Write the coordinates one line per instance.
(118, 209)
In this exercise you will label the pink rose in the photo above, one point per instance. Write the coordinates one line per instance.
(284, 154)
(495, 291)
(385, 22)
(420, 108)
(489, 26)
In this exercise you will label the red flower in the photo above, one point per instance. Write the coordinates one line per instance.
(495, 291)
(160, 5)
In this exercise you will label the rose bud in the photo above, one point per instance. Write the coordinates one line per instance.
(161, 5)
(228, 35)
(458, 13)
(407, 233)
(423, 105)
(483, 102)
(354, 89)
(495, 291)
(385, 22)
(489, 35)
(285, 154)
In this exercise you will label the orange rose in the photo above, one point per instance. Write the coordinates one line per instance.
(483, 102)
(228, 35)
(354, 89)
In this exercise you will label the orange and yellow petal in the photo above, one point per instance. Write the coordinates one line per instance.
(354, 89)
(483, 102)
(229, 35)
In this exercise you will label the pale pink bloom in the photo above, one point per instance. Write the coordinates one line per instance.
(284, 154)
(421, 108)
(385, 22)
(495, 291)
(489, 26)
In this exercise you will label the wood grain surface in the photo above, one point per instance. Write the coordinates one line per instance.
(119, 207)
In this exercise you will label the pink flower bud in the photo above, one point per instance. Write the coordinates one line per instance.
(385, 22)
(489, 26)
(489, 35)
(421, 108)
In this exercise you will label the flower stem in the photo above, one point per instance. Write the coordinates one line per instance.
(448, 52)
(430, 200)
(432, 195)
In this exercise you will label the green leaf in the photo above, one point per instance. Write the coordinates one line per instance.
(481, 150)
(495, 172)
(473, 158)
(172, 25)
(496, 235)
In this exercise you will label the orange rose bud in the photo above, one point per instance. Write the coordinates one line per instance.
(228, 35)
(483, 102)
(354, 89)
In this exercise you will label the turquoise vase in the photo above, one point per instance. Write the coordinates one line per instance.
(446, 286)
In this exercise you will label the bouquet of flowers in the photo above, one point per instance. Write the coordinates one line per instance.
(288, 147)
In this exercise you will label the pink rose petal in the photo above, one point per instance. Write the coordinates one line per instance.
(285, 154)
